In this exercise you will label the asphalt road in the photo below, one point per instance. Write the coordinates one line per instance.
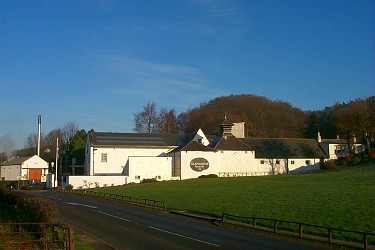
(112, 225)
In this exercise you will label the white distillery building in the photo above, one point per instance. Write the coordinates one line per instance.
(122, 158)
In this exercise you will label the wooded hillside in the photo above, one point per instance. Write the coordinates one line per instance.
(274, 119)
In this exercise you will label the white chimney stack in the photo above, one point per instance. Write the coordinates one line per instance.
(319, 137)
(39, 126)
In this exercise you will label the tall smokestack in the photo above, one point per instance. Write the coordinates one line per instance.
(39, 125)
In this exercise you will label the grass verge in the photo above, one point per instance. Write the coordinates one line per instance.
(341, 199)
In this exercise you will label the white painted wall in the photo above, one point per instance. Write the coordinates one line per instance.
(117, 159)
(280, 166)
(33, 163)
(11, 172)
(140, 168)
(79, 182)
(187, 156)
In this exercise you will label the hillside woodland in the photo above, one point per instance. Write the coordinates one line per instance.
(265, 118)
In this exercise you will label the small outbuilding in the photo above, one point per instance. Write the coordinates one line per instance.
(31, 168)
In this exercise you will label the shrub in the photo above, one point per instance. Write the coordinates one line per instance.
(20, 207)
(37, 186)
(372, 154)
(209, 176)
(329, 165)
(149, 180)
(356, 160)
(342, 162)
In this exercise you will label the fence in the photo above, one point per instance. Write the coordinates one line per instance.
(36, 236)
(123, 198)
(302, 230)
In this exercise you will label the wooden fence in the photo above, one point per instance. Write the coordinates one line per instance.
(309, 231)
(123, 198)
(36, 236)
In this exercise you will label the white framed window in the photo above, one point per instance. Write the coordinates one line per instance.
(261, 161)
(158, 177)
(277, 161)
(137, 177)
(104, 157)
(292, 162)
(308, 162)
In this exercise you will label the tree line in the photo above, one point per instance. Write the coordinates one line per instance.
(264, 118)
(70, 139)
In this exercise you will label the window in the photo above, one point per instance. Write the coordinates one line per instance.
(277, 162)
(104, 157)
(158, 177)
(308, 162)
(137, 177)
(292, 162)
(261, 161)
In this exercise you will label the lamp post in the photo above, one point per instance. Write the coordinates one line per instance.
(93, 161)
(54, 175)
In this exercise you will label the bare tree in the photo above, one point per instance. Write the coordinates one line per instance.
(68, 131)
(146, 121)
(167, 121)
(31, 141)
(49, 141)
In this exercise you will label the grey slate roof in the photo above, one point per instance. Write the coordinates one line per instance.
(134, 139)
(334, 141)
(229, 142)
(279, 148)
(187, 144)
(15, 161)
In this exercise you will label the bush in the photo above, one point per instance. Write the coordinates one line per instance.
(356, 160)
(37, 186)
(329, 165)
(149, 180)
(20, 207)
(342, 162)
(209, 176)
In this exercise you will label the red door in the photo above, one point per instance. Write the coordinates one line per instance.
(35, 174)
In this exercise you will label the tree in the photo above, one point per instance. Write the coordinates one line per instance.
(31, 141)
(78, 141)
(68, 131)
(167, 121)
(146, 121)
(357, 119)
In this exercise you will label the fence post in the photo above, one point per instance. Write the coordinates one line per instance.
(275, 226)
(364, 241)
(71, 238)
(254, 223)
(300, 230)
(330, 235)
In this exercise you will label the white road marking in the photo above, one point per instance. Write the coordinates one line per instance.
(78, 204)
(183, 236)
(114, 216)
(53, 198)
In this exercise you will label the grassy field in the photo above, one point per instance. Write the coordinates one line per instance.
(342, 199)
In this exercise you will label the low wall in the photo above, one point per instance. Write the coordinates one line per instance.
(85, 181)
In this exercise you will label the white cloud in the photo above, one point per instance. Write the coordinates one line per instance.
(170, 85)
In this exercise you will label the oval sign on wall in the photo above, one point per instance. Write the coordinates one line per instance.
(199, 164)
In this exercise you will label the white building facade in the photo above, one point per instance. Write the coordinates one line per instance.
(123, 158)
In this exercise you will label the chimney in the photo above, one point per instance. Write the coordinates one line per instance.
(39, 125)
(319, 137)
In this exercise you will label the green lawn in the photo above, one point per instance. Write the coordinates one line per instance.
(343, 199)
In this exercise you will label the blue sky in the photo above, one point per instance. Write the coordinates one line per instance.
(98, 62)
